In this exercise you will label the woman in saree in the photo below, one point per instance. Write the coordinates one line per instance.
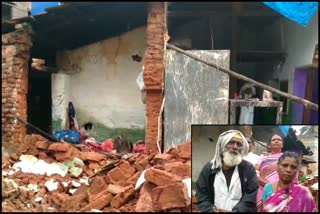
(266, 166)
(286, 195)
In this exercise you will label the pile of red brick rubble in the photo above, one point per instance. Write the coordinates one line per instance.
(114, 189)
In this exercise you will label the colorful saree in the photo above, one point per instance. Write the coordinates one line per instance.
(268, 170)
(295, 198)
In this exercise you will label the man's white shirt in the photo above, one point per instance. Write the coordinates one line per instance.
(225, 198)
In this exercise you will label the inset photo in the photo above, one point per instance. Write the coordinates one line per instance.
(254, 168)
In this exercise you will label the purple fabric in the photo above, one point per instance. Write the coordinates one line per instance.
(295, 198)
(314, 119)
(299, 90)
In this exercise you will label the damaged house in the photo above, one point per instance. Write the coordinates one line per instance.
(147, 71)
(93, 53)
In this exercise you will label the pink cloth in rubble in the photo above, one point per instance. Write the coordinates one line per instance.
(139, 147)
(91, 145)
(107, 145)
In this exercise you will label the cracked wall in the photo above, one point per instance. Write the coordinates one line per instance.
(100, 80)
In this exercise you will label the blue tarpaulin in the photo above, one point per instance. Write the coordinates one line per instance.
(284, 130)
(300, 12)
(39, 7)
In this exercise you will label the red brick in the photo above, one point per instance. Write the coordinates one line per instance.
(122, 198)
(96, 186)
(132, 159)
(184, 150)
(126, 168)
(72, 204)
(158, 166)
(178, 168)
(187, 209)
(116, 189)
(64, 156)
(142, 163)
(144, 203)
(14, 157)
(160, 177)
(92, 156)
(132, 180)
(82, 190)
(116, 175)
(111, 210)
(102, 162)
(42, 155)
(130, 206)
(59, 147)
(162, 158)
(42, 144)
(170, 196)
(147, 187)
(88, 171)
(99, 203)
(57, 199)
(94, 165)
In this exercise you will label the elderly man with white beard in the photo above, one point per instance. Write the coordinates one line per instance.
(228, 183)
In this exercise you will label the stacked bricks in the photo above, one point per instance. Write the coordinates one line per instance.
(154, 71)
(15, 55)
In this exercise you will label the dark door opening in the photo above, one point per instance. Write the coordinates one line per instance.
(39, 101)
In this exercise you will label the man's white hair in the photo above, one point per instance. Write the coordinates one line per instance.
(223, 140)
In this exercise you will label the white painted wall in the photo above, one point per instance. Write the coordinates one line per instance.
(299, 43)
(60, 89)
(103, 81)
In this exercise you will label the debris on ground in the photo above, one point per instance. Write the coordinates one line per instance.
(44, 176)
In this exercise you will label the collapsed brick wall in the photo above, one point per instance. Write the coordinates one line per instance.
(153, 71)
(15, 55)
(113, 190)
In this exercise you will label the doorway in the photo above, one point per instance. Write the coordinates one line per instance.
(39, 101)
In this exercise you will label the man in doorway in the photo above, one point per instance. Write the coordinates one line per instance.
(228, 183)
(251, 157)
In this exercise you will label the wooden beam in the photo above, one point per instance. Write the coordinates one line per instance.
(305, 102)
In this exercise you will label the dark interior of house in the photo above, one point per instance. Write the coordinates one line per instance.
(39, 101)
(251, 31)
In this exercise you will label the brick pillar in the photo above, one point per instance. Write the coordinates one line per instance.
(15, 55)
(154, 70)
